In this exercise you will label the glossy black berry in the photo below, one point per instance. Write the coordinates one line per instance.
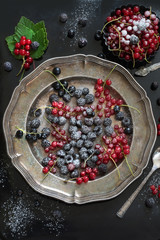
(82, 42)
(56, 86)
(128, 130)
(98, 35)
(82, 22)
(102, 168)
(149, 202)
(29, 137)
(7, 66)
(63, 17)
(71, 33)
(71, 89)
(65, 83)
(119, 116)
(101, 55)
(61, 92)
(38, 112)
(116, 109)
(19, 134)
(56, 71)
(154, 85)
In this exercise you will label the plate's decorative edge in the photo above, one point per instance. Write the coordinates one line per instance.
(74, 199)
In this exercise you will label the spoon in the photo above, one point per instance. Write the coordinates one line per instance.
(156, 165)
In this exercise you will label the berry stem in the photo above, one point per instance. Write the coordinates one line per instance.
(109, 74)
(21, 66)
(116, 166)
(128, 165)
(88, 159)
(49, 171)
(123, 105)
(146, 58)
(70, 179)
(133, 57)
(22, 75)
(110, 22)
(58, 81)
(41, 108)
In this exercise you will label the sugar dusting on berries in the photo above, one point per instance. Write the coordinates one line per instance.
(85, 11)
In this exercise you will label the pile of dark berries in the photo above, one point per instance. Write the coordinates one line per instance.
(91, 140)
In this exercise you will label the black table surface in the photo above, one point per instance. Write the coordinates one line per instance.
(29, 215)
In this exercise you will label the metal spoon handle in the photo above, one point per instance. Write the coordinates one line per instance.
(129, 201)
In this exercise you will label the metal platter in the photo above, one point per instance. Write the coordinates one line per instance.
(83, 70)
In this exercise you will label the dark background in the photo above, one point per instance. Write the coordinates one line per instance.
(31, 216)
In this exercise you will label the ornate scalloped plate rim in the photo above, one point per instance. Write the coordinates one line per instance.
(61, 196)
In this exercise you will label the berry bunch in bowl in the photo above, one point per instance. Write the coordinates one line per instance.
(132, 33)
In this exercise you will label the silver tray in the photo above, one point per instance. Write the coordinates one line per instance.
(34, 90)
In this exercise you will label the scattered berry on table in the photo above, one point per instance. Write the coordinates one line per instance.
(154, 85)
(63, 17)
(82, 22)
(82, 42)
(98, 35)
(71, 33)
(7, 66)
(149, 202)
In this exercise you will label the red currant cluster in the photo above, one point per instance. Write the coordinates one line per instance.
(132, 34)
(155, 190)
(51, 164)
(23, 48)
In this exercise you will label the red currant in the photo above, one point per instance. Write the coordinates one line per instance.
(108, 82)
(17, 45)
(83, 173)
(85, 179)
(152, 187)
(23, 38)
(27, 47)
(45, 170)
(92, 176)
(29, 60)
(99, 81)
(28, 41)
(22, 52)
(16, 51)
(22, 42)
(79, 180)
(26, 65)
(27, 53)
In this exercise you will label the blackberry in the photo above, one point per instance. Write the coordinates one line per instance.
(82, 42)
(61, 92)
(88, 121)
(90, 151)
(67, 147)
(91, 136)
(73, 121)
(61, 153)
(88, 144)
(35, 123)
(85, 129)
(72, 129)
(53, 98)
(19, 134)
(56, 86)
(62, 121)
(69, 159)
(79, 143)
(78, 93)
(90, 164)
(101, 55)
(76, 135)
(63, 17)
(98, 35)
(116, 109)
(71, 33)
(102, 168)
(79, 123)
(66, 97)
(82, 22)
(84, 156)
(56, 71)
(60, 162)
(82, 150)
(53, 119)
(45, 161)
(37, 112)
(45, 143)
(76, 163)
(73, 143)
(126, 122)
(89, 98)
(7, 66)
(85, 91)
(128, 130)
(94, 158)
(81, 102)
(98, 130)
(64, 170)
(150, 202)
(48, 110)
(154, 86)
(108, 131)
(43, 136)
(83, 137)
(76, 155)
(107, 122)
(71, 89)
(89, 111)
(35, 45)
(47, 131)
(97, 121)
(74, 174)
(71, 151)
(119, 116)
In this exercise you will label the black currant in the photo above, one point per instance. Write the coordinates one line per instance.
(56, 85)
(56, 71)
(98, 35)
(19, 134)
(154, 85)
(71, 33)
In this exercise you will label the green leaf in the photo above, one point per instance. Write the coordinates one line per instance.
(41, 38)
(22, 30)
(11, 45)
(26, 22)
